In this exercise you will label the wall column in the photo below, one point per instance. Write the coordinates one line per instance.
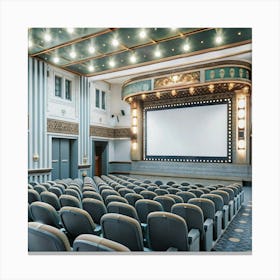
(84, 138)
(37, 132)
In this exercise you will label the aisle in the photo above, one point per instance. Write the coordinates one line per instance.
(238, 236)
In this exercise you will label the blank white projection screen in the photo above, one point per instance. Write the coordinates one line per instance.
(199, 131)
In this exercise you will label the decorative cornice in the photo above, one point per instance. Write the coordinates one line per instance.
(63, 127)
(84, 166)
(39, 171)
(107, 132)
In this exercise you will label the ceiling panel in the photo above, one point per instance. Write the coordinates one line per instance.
(94, 51)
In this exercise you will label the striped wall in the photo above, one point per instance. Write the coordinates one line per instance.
(37, 123)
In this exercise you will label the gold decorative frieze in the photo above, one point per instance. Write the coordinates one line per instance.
(177, 79)
(58, 126)
(107, 132)
(101, 131)
(122, 132)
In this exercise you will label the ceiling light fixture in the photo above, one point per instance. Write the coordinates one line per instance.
(115, 42)
(142, 34)
(186, 47)
(73, 54)
(47, 37)
(91, 68)
(157, 53)
(91, 49)
(133, 58)
(219, 39)
(70, 30)
(112, 63)
(56, 59)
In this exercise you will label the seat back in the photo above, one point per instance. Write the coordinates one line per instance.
(50, 198)
(94, 243)
(223, 194)
(164, 187)
(192, 215)
(177, 198)
(207, 206)
(139, 189)
(76, 188)
(44, 213)
(76, 221)
(122, 208)
(184, 183)
(146, 206)
(39, 188)
(124, 230)
(95, 208)
(69, 200)
(55, 190)
(161, 191)
(46, 238)
(170, 183)
(197, 192)
(217, 199)
(132, 198)
(148, 194)
(111, 198)
(173, 190)
(205, 190)
(167, 230)
(158, 182)
(106, 192)
(73, 193)
(184, 188)
(124, 191)
(152, 188)
(33, 196)
(165, 201)
(229, 191)
(185, 195)
(91, 194)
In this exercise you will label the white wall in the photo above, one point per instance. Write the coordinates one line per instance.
(122, 150)
(119, 150)
(117, 104)
(60, 108)
(97, 115)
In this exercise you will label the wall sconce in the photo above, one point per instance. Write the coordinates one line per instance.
(241, 145)
(130, 99)
(241, 122)
(173, 92)
(134, 129)
(143, 96)
(134, 112)
(134, 121)
(134, 145)
(158, 94)
(36, 157)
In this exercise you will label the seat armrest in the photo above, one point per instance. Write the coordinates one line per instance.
(193, 235)
(218, 214)
(97, 230)
(172, 249)
(207, 224)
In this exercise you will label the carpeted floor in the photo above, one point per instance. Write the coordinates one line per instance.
(238, 235)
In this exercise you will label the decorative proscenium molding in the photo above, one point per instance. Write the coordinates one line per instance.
(107, 132)
(177, 79)
(58, 126)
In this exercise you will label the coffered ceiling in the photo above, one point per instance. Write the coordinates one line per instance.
(94, 51)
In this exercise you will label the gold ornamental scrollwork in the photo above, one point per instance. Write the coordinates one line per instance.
(177, 79)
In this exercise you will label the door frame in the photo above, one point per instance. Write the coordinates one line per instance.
(105, 155)
(74, 151)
